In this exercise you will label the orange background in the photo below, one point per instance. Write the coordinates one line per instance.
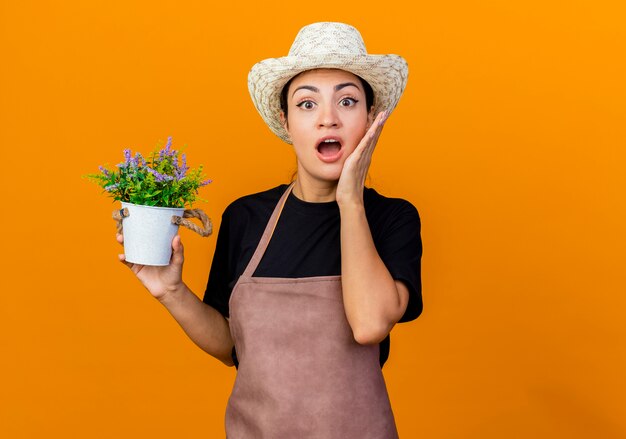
(509, 140)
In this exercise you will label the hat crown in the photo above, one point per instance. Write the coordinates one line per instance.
(327, 37)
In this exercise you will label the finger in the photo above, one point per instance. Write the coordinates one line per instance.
(120, 238)
(376, 124)
(368, 142)
(178, 251)
(370, 134)
(377, 127)
(381, 119)
(135, 268)
(122, 259)
(374, 132)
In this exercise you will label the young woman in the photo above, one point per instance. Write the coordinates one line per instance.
(309, 278)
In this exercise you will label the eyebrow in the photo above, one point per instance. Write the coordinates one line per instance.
(306, 87)
(317, 90)
(345, 84)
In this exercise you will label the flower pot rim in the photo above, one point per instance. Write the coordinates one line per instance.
(126, 203)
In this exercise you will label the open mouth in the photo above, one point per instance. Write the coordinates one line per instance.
(329, 149)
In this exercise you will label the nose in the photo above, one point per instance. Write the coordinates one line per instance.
(328, 116)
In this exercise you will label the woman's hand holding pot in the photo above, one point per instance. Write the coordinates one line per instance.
(159, 280)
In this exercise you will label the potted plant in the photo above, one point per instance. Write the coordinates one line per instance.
(153, 192)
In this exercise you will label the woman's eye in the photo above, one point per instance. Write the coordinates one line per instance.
(348, 102)
(307, 105)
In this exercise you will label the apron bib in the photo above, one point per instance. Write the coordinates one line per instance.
(301, 374)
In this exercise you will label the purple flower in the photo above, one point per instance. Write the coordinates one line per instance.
(111, 187)
(104, 171)
(127, 156)
(204, 183)
(182, 171)
(158, 176)
(137, 161)
(167, 151)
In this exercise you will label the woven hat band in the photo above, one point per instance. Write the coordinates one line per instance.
(323, 38)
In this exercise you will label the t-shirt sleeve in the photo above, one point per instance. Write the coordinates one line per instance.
(219, 285)
(400, 248)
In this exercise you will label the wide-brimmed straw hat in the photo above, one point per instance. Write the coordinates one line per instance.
(325, 45)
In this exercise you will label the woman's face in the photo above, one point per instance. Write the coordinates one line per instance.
(326, 119)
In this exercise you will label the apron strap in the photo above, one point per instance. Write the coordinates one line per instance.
(267, 235)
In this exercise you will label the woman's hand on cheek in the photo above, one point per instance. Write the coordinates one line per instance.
(352, 178)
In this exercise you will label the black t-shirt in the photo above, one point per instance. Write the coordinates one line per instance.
(306, 243)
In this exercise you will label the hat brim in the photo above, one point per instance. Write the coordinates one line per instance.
(386, 74)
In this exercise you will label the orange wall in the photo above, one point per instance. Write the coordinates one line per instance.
(509, 140)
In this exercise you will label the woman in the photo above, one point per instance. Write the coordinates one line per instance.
(309, 278)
